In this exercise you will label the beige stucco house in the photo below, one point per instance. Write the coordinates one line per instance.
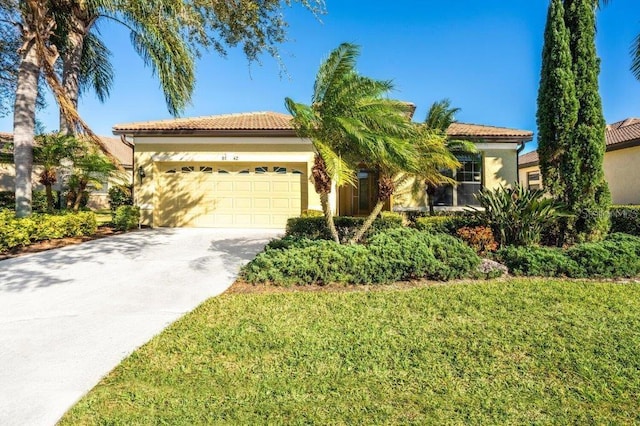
(621, 161)
(98, 197)
(251, 170)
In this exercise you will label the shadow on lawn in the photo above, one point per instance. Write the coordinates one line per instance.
(45, 269)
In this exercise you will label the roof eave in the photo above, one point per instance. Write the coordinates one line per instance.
(204, 132)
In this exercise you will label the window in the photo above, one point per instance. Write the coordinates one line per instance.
(533, 180)
(469, 178)
(533, 176)
(260, 170)
(188, 169)
(171, 171)
(223, 172)
(244, 172)
(206, 169)
(296, 172)
(280, 170)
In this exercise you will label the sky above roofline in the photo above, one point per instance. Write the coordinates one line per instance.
(484, 56)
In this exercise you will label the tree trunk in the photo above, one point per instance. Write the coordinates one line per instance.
(328, 216)
(24, 123)
(368, 222)
(82, 186)
(71, 68)
(49, 191)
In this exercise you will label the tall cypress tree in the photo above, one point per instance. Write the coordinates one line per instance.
(557, 102)
(587, 190)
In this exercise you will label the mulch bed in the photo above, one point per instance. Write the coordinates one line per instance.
(103, 231)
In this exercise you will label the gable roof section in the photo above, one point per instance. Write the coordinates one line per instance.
(264, 122)
(618, 135)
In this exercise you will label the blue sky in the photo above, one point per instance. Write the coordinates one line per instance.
(483, 55)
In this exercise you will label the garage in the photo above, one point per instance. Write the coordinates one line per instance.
(228, 194)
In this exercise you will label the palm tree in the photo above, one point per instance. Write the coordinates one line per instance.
(90, 168)
(51, 150)
(350, 121)
(440, 117)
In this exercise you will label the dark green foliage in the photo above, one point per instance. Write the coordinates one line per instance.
(517, 215)
(315, 227)
(126, 217)
(588, 194)
(119, 195)
(537, 261)
(447, 224)
(38, 200)
(557, 102)
(16, 232)
(616, 256)
(625, 219)
(393, 255)
(570, 120)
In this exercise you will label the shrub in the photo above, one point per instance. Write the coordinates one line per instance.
(537, 261)
(38, 200)
(625, 219)
(126, 217)
(517, 215)
(312, 213)
(616, 256)
(479, 238)
(119, 195)
(315, 228)
(392, 255)
(16, 232)
(447, 223)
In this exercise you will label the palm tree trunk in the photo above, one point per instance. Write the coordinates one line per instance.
(49, 191)
(24, 123)
(82, 186)
(328, 216)
(368, 222)
(71, 68)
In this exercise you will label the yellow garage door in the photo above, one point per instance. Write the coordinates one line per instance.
(229, 194)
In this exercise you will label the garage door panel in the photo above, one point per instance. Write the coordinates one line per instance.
(205, 197)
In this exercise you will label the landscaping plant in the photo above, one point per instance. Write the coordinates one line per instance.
(517, 215)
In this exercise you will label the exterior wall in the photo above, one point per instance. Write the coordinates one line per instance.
(523, 176)
(8, 176)
(99, 199)
(623, 175)
(150, 151)
(499, 167)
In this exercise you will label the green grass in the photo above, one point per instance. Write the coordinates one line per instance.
(521, 351)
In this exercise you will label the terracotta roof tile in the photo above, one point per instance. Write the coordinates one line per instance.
(244, 121)
(6, 137)
(618, 133)
(477, 130)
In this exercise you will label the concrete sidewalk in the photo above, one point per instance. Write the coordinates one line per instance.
(69, 316)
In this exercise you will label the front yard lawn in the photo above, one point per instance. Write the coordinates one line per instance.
(517, 351)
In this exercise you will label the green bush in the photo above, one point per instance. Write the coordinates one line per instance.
(625, 219)
(517, 215)
(315, 228)
(119, 195)
(617, 256)
(537, 261)
(447, 224)
(392, 255)
(126, 218)
(16, 232)
(38, 200)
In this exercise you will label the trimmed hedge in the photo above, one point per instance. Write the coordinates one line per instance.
(625, 219)
(16, 232)
(389, 256)
(126, 217)
(448, 224)
(615, 257)
(315, 228)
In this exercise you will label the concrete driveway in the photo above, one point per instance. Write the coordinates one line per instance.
(69, 316)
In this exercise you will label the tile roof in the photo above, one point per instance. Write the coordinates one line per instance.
(617, 135)
(265, 120)
(477, 130)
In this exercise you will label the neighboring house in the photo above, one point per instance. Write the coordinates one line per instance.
(621, 161)
(98, 197)
(251, 170)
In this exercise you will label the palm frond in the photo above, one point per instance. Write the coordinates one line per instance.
(96, 69)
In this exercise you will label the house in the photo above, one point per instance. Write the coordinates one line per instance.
(621, 161)
(252, 170)
(98, 197)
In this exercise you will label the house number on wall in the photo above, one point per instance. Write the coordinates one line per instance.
(229, 157)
